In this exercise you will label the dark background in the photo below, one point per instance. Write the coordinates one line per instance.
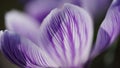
(109, 59)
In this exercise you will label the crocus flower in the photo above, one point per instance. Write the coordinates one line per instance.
(63, 39)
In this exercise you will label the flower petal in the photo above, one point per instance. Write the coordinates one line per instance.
(109, 30)
(22, 24)
(41, 8)
(66, 34)
(24, 53)
(96, 7)
(7, 43)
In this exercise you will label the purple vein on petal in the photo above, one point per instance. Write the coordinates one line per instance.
(30, 55)
(7, 49)
(65, 28)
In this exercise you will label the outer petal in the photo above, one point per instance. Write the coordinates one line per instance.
(22, 24)
(96, 7)
(41, 8)
(6, 47)
(66, 34)
(24, 53)
(109, 30)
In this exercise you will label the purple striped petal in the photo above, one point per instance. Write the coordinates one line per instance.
(109, 30)
(9, 47)
(66, 34)
(65, 40)
(22, 24)
(24, 53)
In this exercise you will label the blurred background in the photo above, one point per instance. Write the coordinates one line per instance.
(108, 59)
